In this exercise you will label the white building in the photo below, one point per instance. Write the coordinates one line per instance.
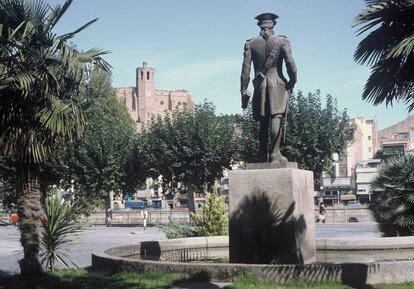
(365, 171)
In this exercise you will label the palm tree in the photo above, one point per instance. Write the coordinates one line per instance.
(393, 201)
(58, 229)
(40, 77)
(388, 49)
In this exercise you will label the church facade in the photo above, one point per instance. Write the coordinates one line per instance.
(145, 101)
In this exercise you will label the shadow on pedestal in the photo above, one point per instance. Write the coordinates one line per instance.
(260, 233)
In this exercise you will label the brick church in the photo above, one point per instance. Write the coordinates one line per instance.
(144, 100)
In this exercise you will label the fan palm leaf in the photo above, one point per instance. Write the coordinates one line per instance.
(393, 202)
(41, 76)
(388, 49)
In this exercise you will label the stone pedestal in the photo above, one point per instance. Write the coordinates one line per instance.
(272, 219)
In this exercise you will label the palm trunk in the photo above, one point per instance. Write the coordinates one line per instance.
(29, 211)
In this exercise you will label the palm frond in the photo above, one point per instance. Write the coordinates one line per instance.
(42, 76)
(388, 49)
(58, 229)
(73, 33)
(404, 48)
(393, 202)
(63, 118)
(56, 13)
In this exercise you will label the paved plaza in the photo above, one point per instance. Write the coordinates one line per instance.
(101, 237)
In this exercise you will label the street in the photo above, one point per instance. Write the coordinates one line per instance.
(101, 237)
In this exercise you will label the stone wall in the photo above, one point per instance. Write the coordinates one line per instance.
(346, 214)
(156, 217)
(133, 217)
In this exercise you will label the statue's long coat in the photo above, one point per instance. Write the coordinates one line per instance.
(269, 97)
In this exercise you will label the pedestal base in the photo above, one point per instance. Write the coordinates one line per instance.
(271, 216)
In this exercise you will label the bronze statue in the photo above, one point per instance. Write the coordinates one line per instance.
(271, 88)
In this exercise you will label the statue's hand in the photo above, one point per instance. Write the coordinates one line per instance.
(289, 86)
(245, 96)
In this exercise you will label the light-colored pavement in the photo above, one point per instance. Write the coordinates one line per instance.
(100, 237)
(90, 240)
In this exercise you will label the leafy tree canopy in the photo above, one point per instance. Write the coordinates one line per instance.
(191, 147)
(313, 133)
(103, 160)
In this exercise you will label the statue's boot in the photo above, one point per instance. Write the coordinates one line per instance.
(277, 157)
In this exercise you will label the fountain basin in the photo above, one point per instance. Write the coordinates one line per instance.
(369, 261)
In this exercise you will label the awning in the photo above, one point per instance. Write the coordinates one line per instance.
(349, 197)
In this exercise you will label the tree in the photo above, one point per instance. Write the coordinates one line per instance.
(247, 137)
(313, 133)
(191, 147)
(103, 161)
(388, 49)
(393, 199)
(213, 220)
(40, 75)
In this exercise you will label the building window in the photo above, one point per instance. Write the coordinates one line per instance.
(142, 75)
(403, 135)
(369, 137)
(369, 149)
(148, 75)
(161, 102)
(179, 103)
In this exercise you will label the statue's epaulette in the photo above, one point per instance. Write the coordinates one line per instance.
(284, 36)
(249, 39)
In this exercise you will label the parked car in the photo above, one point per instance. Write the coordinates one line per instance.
(136, 204)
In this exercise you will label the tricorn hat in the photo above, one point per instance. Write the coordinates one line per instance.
(266, 16)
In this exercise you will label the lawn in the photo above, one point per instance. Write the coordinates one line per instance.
(254, 283)
(83, 279)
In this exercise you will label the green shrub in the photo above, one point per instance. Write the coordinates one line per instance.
(393, 198)
(175, 230)
(59, 224)
(213, 220)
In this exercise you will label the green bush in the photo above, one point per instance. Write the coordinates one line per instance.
(213, 220)
(393, 198)
(175, 230)
(59, 224)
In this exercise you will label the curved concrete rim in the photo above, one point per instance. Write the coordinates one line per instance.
(338, 244)
(355, 274)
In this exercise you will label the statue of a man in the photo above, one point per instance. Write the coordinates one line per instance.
(271, 88)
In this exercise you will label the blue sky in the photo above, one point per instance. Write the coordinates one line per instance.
(197, 45)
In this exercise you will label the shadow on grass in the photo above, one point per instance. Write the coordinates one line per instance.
(199, 280)
(84, 279)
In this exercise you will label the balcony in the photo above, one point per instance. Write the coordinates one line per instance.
(338, 182)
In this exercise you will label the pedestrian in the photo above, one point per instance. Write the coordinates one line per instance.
(144, 215)
(322, 213)
(108, 221)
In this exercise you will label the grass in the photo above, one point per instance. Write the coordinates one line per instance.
(254, 283)
(84, 279)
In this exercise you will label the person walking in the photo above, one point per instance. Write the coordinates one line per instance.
(322, 213)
